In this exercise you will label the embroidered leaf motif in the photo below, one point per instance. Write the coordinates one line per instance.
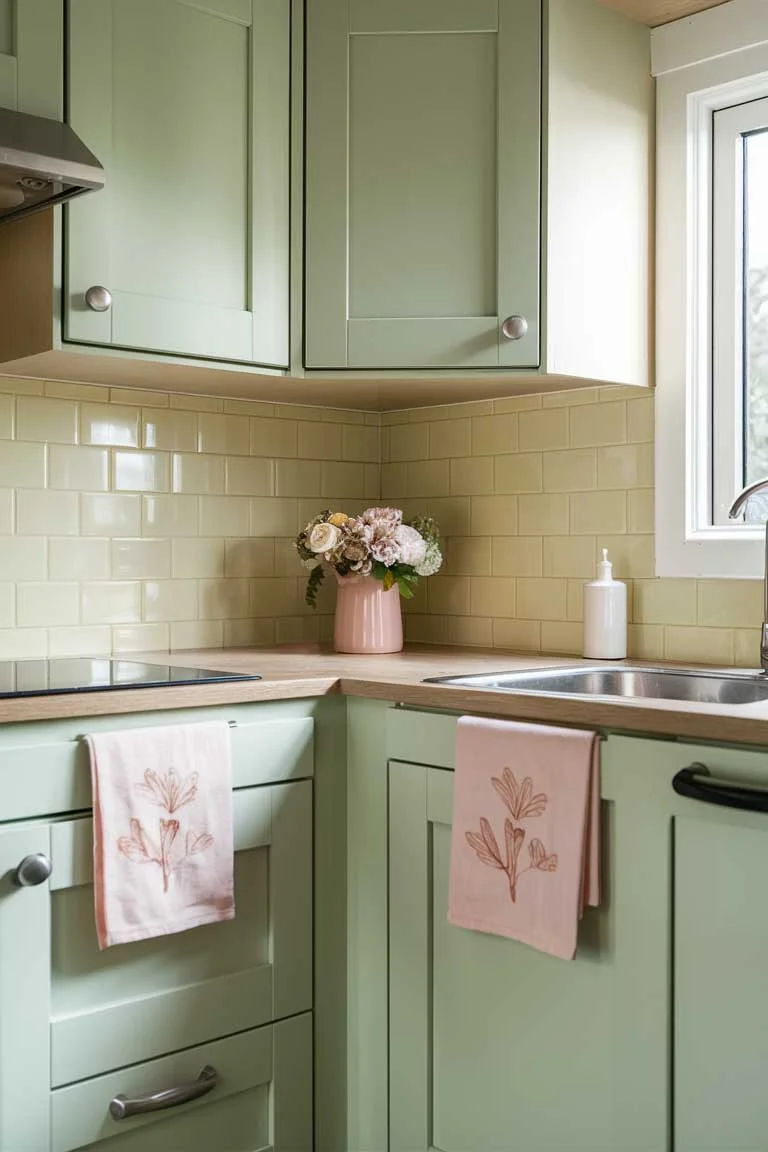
(486, 846)
(521, 802)
(198, 842)
(169, 790)
(519, 798)
(135, 845)
(539, 858)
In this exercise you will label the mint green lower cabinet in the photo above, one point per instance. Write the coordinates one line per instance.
(187, 106)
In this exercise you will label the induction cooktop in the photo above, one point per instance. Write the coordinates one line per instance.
(100, 673)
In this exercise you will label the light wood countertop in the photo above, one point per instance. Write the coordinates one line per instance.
(307, 671)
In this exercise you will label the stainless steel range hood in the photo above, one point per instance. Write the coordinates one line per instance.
(42, 162)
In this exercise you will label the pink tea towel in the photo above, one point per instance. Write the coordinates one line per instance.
(525, 843)
(162, 830)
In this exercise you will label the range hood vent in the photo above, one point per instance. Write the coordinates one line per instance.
(42, 162)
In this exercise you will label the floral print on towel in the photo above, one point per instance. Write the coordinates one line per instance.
(522, 805)
(170, 792)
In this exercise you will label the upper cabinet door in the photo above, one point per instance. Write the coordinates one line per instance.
(423, 183)
(31, 56)
(187, 104)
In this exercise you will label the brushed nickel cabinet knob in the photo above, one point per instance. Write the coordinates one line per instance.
(32, 871)
(98, 298)
(514, 327)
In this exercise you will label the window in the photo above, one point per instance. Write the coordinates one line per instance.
(712, 290)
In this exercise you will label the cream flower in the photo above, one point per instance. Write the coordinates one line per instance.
(413, 546)
(323, 538)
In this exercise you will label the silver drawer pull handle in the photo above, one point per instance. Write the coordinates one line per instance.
(123, 1107)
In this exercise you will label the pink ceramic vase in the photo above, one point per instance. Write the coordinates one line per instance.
(368, 619)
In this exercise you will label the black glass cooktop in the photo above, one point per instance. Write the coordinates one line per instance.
(96, 674)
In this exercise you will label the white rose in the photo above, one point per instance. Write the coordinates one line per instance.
(323, 538)
(413, 546)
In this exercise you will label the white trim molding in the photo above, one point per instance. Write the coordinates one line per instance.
(705, 62)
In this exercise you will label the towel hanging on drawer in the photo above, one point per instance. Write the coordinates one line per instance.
(162, 825)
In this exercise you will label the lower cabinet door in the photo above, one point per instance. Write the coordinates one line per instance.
(260, 1099)
(496, 1046)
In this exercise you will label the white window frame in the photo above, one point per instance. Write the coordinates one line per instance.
(705, 63)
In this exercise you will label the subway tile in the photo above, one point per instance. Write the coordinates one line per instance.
(248, 408)
(22, 465)
(517, 556)
(23, 558)
(298, 412)
(448, 595)
(372, 482)
(140, 472)
(224, 516)
(341, 416)
(167, 600)
(78, 468)
(273, 517)
(16, 387)
(273, 438)
(468, 556)
(517, 635)
(175, 515)
(543, 515)
(7, 605)
(111, 602)
(7, 406)
(286, 560)
(249, 476)
(169, 430)
(197, 634)
(45, 513)
(78, 558)
(543, 431)
(110, 425)
(570, 556)
(625, 466)
(8, 519)
(541, 599)
(450, 512)
(224, 599)
(409, 442)
(492, 596)
(45, 420)
(571, 471)
(110, 514)
(342, 478)
(224, 435)
(195, 474)
(593, 512)
(278, 596)
(598, 424)
(394, 480)
(746, 647)
(472, 476)
(142, 397)
(561, 638)
(197, 557)
(260, 633)
(470, 631)
(640, 420)
(730, 603)
(632, 556)
(95, 640)
(642, 510)
(645, 642)
(520, 473)
(517, 404)
(196, 403)
(571, 398)
(140, 637)
(23, 643)
(297, 477)
(140, 559)
(63, 390)
(495, 435)
(449, 438)
(251, 557)
(360, 444)
(426, 629)
(429, 478)
(46, 604)
(574, 599)
(699, 645)
(664, 602)
(319, 441)
(493, 515)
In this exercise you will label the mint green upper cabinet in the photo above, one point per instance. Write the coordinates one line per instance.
(186, 103)
(494, 1045)
(423, 183)
(32, 56)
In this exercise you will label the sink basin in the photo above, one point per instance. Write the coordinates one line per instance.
(690, 684)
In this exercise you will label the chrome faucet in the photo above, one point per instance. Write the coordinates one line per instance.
(733, 512)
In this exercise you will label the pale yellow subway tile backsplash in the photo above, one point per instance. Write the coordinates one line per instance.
(517, 556)
(224, 516)
(23, 557)
(140, 559)
(598, 424)
(22, 465)
(570, 556)
(521, 473)
(593, 512)
(545, 515)
(45, 420)
(472, 476)
(493, 516)
(449, 438)
(226, 435)
(197, 557)
(167, 600)
(517, 635)
(47, 604)
(699, 645)
(175, 515)
(319, 441)
(40, 512)
(543, 431)
(494, 435)
(169, 431)
(111, 602)
(140, 637)
(492, 596)
(111, 425)
(77, 468)
(571, 471)
(249, 476)
(269, 437)
(79, 558)
(730, 603)
(140, 471)
(541, 599)
(195, 474)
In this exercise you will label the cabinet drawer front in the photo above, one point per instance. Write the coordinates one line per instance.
(47, 770)
(262, 1100)
(139, 1000)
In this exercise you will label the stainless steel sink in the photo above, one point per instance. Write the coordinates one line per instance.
(690, 684)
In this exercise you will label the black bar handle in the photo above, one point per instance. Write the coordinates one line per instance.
(688, 783)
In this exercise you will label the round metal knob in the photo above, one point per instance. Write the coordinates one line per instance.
(98, 298)
(33, 870)
(514, 327)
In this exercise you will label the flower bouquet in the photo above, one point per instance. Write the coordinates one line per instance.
(377, 558)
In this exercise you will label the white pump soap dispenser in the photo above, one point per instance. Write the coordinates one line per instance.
(605, 615)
